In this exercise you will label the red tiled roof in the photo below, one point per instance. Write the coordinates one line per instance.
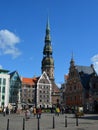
(29, 81)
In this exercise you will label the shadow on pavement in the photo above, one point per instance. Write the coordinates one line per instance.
(90, 117)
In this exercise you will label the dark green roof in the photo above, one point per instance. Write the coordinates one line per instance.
(85, 78)
(85, 73)
(47, 49)
(4, 71)
(85, 69)
(48, 61)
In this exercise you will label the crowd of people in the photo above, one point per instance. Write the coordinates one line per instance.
(38, 111)
(31, 111)
(5, 110)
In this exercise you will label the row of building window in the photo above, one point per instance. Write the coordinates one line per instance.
(74, 98)
(43, 91)
(44, 87)
(72, 88)
(27, 95)
(44, 101)
(27, 86)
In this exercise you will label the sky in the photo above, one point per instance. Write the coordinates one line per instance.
(74, 29)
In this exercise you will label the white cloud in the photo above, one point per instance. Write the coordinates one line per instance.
(1, 67)
(8, 41)
(94, 59)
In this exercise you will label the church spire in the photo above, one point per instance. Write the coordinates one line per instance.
(48, 62)
(72, 60)
(48, 24)
(47, 37)
(47, 48)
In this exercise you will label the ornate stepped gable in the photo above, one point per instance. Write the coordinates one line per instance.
(81, 73)
(78, 84)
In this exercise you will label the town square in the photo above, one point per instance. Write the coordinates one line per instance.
(48, 64)
(87, 122)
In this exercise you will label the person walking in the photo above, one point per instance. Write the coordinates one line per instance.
(4, 111)
(27, 114)
(57, 111)
(34, 111)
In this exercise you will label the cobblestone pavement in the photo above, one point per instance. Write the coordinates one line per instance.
(49, 122)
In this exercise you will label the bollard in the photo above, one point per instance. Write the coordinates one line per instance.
(8, 124)
(53, 122)
(38, 122)
(76, 121)
(23, 124)
(65, 121)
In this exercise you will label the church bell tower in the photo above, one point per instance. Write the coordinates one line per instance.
(47, 61)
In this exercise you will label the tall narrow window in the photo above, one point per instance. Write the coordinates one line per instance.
(3, 90)
(4, 81)
(3, 97)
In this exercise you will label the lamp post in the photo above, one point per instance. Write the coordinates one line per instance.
(19, 100)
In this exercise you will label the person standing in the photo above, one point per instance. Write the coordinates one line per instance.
(39, 112)
(4, 111)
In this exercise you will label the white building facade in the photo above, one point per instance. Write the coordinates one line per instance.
(44, 89)
(4, 87)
